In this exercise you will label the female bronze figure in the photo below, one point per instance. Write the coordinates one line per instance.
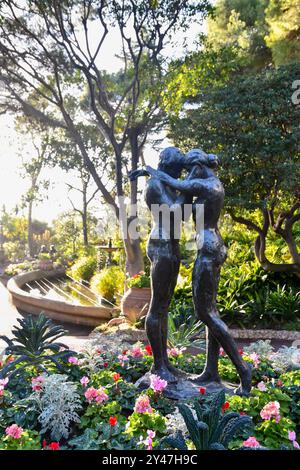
(203, 185)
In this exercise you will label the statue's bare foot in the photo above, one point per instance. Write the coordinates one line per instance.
(246, 382)
(164, 373)
(177, 372)
(208, 377)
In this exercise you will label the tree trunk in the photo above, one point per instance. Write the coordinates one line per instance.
(84, 218)
(30, 231)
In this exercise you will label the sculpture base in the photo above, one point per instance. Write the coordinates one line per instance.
(187, 387)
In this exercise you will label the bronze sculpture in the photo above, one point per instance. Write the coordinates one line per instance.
(201, 186)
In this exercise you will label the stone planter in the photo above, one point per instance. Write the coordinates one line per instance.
(135, 303)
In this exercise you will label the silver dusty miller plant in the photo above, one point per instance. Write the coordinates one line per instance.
(58, 402)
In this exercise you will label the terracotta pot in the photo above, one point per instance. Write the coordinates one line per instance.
(135, 303)
(45, 265)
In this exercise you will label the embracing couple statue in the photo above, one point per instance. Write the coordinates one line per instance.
(200, 186)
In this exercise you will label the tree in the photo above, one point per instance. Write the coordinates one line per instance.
(67, 232)
(254, 127)
(283, 18)
(32, 170)
(46, 51)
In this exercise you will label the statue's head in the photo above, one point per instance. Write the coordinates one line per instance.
(171, 161)
(199, 157)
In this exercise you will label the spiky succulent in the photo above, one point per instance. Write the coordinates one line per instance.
(35, 344)
(208, 428)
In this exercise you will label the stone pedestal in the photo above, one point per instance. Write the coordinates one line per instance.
(187, 386)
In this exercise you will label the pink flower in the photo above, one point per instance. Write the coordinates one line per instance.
(292, 435)
(157, 384)
(271, 410)
(251, 442)
(14, 431)
(99, 395)
(137, 352)
(102, 395)
(123, 358)
(261, 386)
(175, 352)
(142, 404)
(37, 382)
(255, 358)
(296, 445)
(149, 439)
(84, 381)
(3, 382)
(73, 360)
(222, 352)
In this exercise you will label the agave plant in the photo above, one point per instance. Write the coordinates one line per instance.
(183, 329)
(208, 428)
(34, 344)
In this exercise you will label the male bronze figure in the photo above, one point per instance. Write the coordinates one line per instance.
(201, 186)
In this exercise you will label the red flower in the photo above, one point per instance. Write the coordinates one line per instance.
(105, 364)
(241, 351)
(242, 413)
(148, 350)
(279, 383)
(44, 444)
(202, 390)
(124, 352)
(113, 421)
(116, 377)
(53, 446)
(225, 406)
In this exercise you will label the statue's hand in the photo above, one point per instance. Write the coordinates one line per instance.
(134, 175)
(157, 174)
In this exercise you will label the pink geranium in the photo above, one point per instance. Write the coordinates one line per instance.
(37, 383)
(137, 352)
(14, 431)
(292, 438)
(123, 358)
(84, 381)
(157, 384)
(271, 411)
(255, 359)
(3, 383)
(251, 442)
(98, 395)
(73, 360)
(261, 386)
(142, 404)
(175, 352)
(149, 439)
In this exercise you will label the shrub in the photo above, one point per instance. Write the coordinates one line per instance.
(109, 283)
(58, 403)
(83, 269)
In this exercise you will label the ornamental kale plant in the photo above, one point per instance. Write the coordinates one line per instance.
(35, 343)
(58, 402)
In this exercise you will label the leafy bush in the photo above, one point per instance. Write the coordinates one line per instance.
(58, 403)
(84, 268)
(109, 283)
(139, 280)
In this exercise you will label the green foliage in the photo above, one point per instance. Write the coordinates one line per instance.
(210, 429)
(183, 329)
(109, 283)
(29, 440)
(84, 268)
(139, 423)
(35, 344)
(139, 280)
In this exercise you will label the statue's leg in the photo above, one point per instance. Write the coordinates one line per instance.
(205, 286)
(161, 271)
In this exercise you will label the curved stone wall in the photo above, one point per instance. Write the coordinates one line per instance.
(57, 310)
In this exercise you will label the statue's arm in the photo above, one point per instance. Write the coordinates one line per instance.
(194, 186)
(134, 175)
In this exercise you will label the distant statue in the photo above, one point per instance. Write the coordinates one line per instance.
(203, 185)
(43, 249)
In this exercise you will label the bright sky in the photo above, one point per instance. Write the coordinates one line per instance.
(12, 185)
